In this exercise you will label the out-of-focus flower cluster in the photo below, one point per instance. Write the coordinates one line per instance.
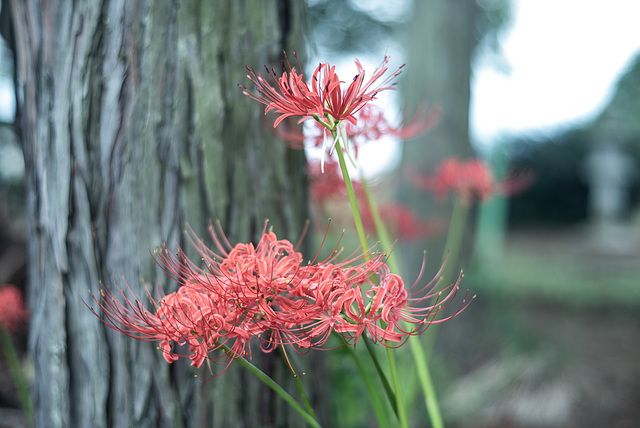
(470, 179)
(12, 309)
(267, 292)
(371, 125)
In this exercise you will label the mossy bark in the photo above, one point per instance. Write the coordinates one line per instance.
(132, 125)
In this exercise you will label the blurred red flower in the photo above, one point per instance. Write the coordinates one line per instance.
(12, 308)
(330, 184)
(470, 179)
(371, 126)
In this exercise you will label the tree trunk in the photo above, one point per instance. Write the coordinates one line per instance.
(132, 124)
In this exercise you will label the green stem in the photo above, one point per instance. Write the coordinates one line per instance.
(278, 389)
(378, 407)
(391, 396)
(424, 376)
(301, 391)
(454, 238)
(402, 412)
(352, 199)
(381, 228)
(419, 357)
(16, 371)
(399, 402)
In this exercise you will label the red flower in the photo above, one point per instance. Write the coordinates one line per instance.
(268, 293)
(469, 179)
(12, 310)
(326, 101)
(343, 105)
(291, 98)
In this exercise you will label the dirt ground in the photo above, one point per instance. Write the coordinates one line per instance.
(528, 362)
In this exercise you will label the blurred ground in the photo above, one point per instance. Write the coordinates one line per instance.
(555, 334)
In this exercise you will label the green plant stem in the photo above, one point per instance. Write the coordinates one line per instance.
(424, 376)
(419, 357)
(452, 246)
(450, 256)
(381, 228)
(278, 389)
(402, 412)
(391, 396)
(352, 200)
(376, 402)
(400, 406)
(303, 394)
(16, 371)
(300, 387)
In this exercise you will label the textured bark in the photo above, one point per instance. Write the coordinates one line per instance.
(132, 125)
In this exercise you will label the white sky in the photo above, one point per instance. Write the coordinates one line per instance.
(563, 59)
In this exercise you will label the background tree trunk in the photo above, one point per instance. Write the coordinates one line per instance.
(132, 124)
(442, 38)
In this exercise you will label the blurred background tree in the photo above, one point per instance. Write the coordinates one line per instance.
(442, 39)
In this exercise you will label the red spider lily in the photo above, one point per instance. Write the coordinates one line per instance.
(12, 309)
(371, 126)
(469, 179)
(266, 292)
(343, 105)
(326, 101)
(291, 98)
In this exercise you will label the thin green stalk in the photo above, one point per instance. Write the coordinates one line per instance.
(391, 396)
(400, 406)
(303, 394)
(300, 387)
(352, 199)
(451, 254)
(454, 238)
(420, 359)
(381, 228)
(376, 402)
(424, 376)
(278, 389)
(16, 372)
(402, 412)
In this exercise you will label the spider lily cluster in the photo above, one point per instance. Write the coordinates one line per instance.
(268, 294)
